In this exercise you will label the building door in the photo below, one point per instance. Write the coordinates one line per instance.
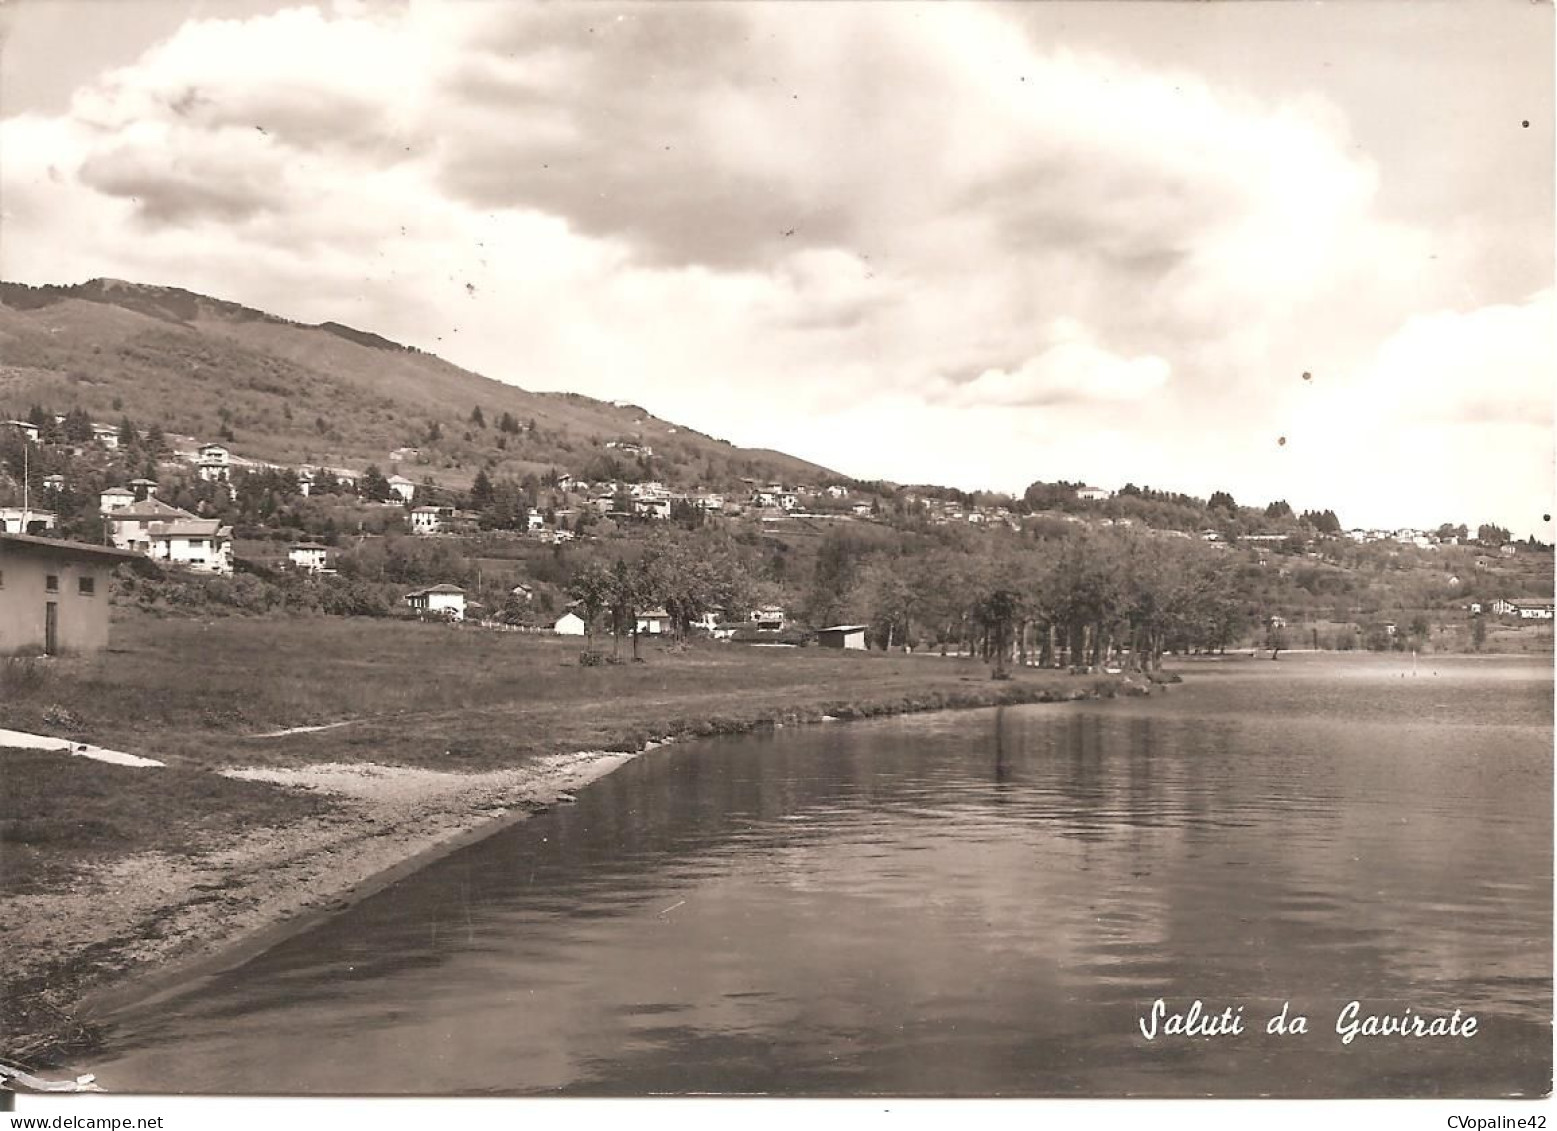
(51, 628)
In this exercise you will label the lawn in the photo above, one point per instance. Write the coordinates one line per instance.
(200, 693)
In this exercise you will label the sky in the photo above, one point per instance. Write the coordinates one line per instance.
(1294, 250)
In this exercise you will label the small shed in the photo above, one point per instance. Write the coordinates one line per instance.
(569, 624)
(54, 594)
(655, 622)
(846, 636)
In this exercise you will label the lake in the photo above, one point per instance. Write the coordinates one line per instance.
(972, 903)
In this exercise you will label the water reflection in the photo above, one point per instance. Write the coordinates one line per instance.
(977, 904)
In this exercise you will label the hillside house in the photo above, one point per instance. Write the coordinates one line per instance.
(569, 624)
(106, 435)
(1091, 494)
(1531, 608)
(405, 455)
(310, 557)
(657, 508)
(213, 463)
(861, 510)
(200, 544)
(143, 488)
(26, 520)
(129, 527)
(837, 492)
(27, 428)
(768, 618)
(404, 489)
(1508, 549)
(439, 600)
(54, 483)
(566, 482)
(430, 520)
(305, 480)
(850, 637)
(54, 595)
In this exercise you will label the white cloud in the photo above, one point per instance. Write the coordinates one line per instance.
(779, 224)
(1073, 368)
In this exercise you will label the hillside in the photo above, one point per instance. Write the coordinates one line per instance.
(293, 393)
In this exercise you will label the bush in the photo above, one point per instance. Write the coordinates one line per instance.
(589, 659)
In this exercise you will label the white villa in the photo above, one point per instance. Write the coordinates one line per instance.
(447, 600)
(429, 520)
(201, 544)
(214, 463)
(129, 527)
(402, 487)
(311, 557)
(114, 498)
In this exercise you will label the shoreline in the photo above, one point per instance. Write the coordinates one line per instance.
(147, 926)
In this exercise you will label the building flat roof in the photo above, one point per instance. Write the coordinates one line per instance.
(63, 546)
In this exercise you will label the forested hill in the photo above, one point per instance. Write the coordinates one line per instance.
(331, 394)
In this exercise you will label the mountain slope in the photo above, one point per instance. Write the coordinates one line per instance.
(329, 394)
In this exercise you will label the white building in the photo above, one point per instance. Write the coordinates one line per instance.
(201, 544)
(26, 427)
(439, 600)
(430, 520)
(403, 488)
(310, 557)
(846, 636)
(569, 624)
(655, 622)
(213, 463)
(1092, 494)
(26, 520)
(106, 435)
(114, 498)
(129, 527)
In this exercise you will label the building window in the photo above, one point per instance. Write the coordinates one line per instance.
(51, 582)
(86, 586)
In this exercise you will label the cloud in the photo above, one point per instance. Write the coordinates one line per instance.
(780, 224)
(1072, 369)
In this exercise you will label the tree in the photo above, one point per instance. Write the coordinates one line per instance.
(78, 426)
(477, 417)
(1279, 509)
(373, 485)
(481, 494)
(1221, 500)
(592, 588)
(1489, 535)
(128, 436)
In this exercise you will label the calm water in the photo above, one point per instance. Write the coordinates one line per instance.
(977, 903)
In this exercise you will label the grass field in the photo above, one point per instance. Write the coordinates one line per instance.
(201, 693)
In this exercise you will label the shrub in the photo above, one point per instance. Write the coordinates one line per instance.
(589, 659)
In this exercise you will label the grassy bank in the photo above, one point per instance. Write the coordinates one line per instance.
(203, 693)
(108, 871)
